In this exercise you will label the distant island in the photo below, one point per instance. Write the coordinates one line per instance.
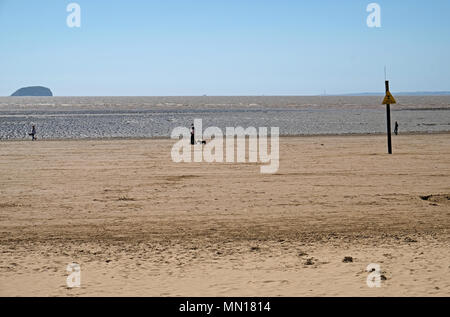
(34, 91)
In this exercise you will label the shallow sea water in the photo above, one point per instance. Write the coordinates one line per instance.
(134, 117)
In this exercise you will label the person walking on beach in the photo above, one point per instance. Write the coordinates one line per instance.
(192, 135)
(396, 128)
(33, 133)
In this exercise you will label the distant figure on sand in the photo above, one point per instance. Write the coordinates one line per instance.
(33, 133)
(192, 135)
(396, 128)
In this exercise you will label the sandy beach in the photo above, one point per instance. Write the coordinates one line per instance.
(140, 225)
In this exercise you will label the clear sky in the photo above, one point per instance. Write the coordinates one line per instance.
(227, 47)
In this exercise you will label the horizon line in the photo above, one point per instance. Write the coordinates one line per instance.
(355, 94)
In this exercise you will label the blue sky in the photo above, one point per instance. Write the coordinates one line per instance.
(232, 47)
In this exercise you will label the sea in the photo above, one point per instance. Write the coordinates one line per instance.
(156, 117)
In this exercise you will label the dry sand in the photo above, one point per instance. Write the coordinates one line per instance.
(141, 225)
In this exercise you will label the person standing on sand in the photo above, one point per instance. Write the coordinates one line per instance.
(33, 133)
(396, 128)
(192, 135)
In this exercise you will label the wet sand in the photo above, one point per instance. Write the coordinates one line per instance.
(141, 225)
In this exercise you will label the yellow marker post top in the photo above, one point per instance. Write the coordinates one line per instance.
(389, 99)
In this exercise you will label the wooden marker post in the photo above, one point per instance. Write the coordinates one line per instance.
(388, 100)
(388, 116)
